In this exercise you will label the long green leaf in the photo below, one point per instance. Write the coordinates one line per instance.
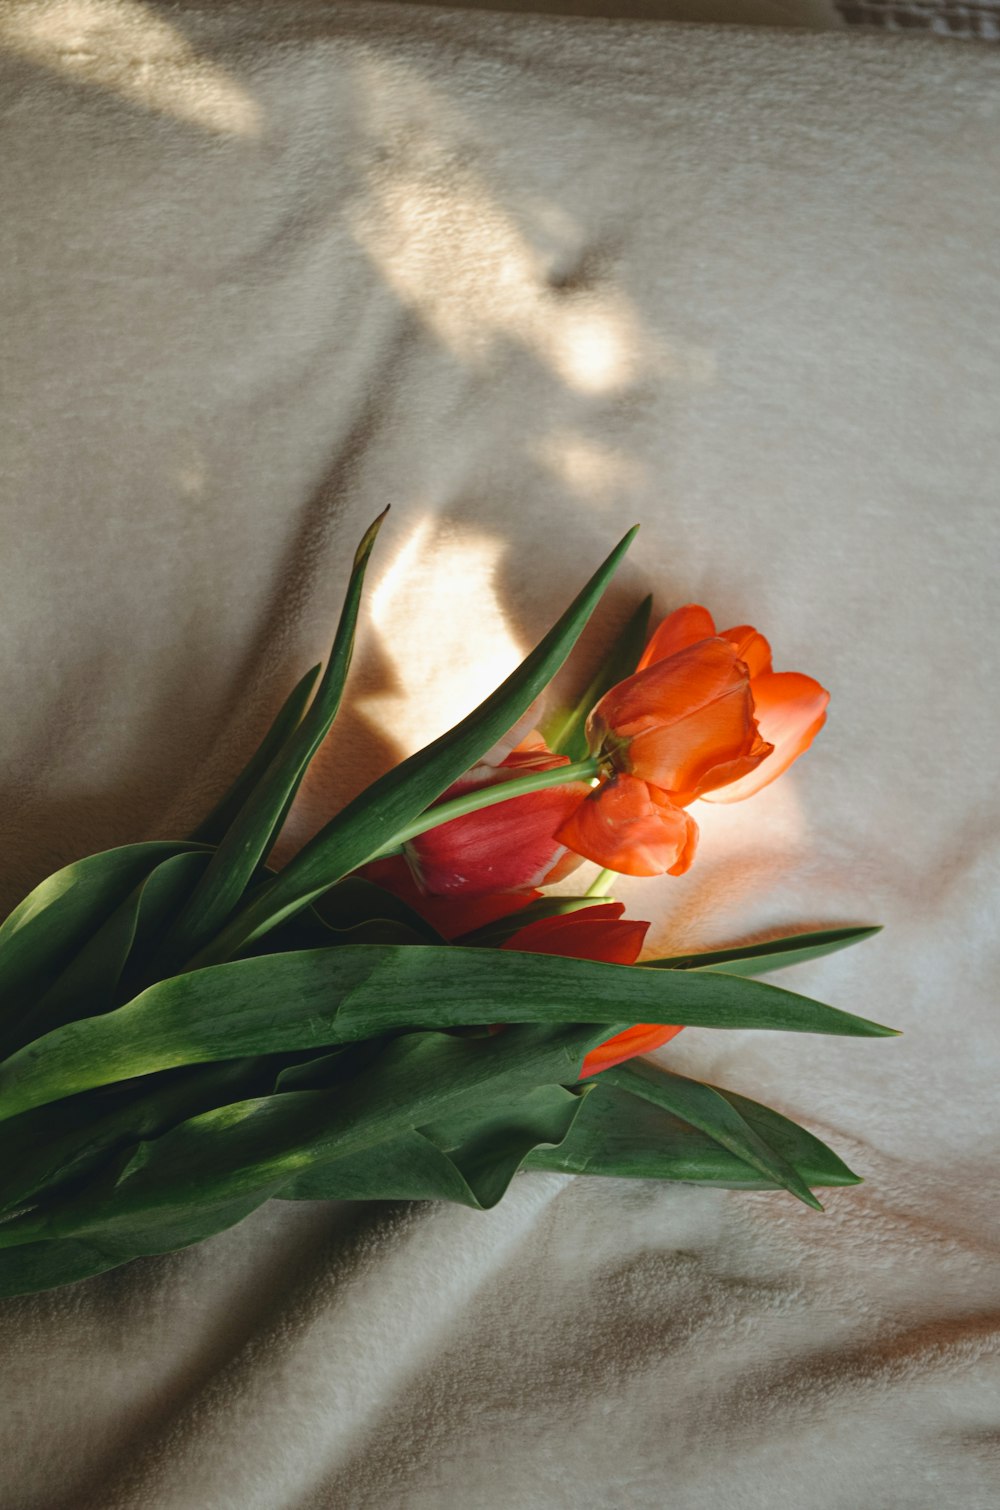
(254, 829)
(255, 1148)
(775, 954)
(51, 1145)
(44, 933)
(467, 1155)
(565, 730)
(609, 1132)
(315, 997)
(622, 1136)
(469, 1158)
(45, 1265)
(89, 982)
(212, 829)
(373, 819)
(704, 1108)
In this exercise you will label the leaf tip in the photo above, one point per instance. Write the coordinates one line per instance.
(369, 537)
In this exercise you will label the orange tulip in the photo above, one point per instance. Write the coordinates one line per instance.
(790, 709)
(598, 933)
(704, 715)
(631, 826)
(507, 847)
(684, 723)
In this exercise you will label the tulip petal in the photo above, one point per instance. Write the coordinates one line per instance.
(565, 862)
(642, 1039)
(596, 933)
(630, 827)
(531, 754)
(684, 627)
(685, 724)
(451, 916)
(751, 647)
(790, 710)
(506, 847)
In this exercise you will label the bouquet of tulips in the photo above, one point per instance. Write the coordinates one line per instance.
(400, 1012)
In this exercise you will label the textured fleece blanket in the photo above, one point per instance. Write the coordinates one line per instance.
(269, 267)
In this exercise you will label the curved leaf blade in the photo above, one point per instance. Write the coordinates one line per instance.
(373, 819)
(623, 1136)
(45, 1265)
(212, 829)
(255, 827)
(775, 954)
(46, 930)
(88, 984)
(252, 1149)
(315, 997)
(469, 1158)
(704, 1108)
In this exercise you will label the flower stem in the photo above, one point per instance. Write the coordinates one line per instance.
(602, 883)
(486, 796)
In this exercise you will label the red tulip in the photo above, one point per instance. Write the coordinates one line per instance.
(451, 915)
(510, 846)
(703, 716)
(598, 933)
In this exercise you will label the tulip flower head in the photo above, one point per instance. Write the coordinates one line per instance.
(704, 715)
(508, 847)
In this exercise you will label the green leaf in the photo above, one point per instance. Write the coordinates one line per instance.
(35, 1266)
(68, 1141)
(373, 819)
(711, 1113)
(565, 730)
(44, 933)
(88, 984)
(617, 1134)
(212, 829)
(317, 997)
(775, 954)
(608, 1131)
(355, 900)
(254, 829)
(469, 1158)
(252, 1149)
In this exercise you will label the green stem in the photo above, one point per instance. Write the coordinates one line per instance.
(601, 885)
(486, 796)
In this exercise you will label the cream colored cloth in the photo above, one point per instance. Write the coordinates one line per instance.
(270, 267)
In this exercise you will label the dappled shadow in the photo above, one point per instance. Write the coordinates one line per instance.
(457, 285)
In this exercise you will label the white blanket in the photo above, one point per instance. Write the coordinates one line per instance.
(268, 267)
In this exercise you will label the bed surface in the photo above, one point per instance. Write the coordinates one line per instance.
(268, 268)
